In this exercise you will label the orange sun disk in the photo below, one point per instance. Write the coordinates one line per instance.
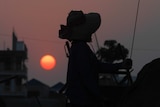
(47, 62)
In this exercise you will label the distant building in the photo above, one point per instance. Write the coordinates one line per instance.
(37, 88)
(13, 71)
(57, 87)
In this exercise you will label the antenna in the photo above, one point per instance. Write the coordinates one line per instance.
(4, 45)
(135, 26)
(96, 41)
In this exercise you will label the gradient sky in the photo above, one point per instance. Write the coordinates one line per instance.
(36, 22)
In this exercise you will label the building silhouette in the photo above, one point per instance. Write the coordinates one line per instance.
(37, 88)
(13, 71)
(15, 89)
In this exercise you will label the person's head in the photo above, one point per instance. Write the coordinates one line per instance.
(80, 26)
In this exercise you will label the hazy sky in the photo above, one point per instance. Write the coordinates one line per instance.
(36, 22)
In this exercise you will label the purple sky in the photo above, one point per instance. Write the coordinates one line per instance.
(37, 23)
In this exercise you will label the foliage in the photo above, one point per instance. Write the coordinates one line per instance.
(112, 51)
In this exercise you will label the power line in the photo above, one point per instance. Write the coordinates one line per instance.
(4, 35)
(29, 38)
(40, 40)
(139, 49)
(135, 26)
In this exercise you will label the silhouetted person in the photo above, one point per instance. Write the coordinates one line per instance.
(83, 66)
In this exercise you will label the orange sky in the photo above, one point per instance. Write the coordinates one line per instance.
(37, 23)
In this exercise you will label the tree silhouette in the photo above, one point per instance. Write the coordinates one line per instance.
(112, 51)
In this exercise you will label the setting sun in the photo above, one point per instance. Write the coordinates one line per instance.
(47, 62)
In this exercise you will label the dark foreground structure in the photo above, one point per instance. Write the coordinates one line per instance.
(145, 92)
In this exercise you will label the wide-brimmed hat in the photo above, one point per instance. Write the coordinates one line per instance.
(80, 26)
